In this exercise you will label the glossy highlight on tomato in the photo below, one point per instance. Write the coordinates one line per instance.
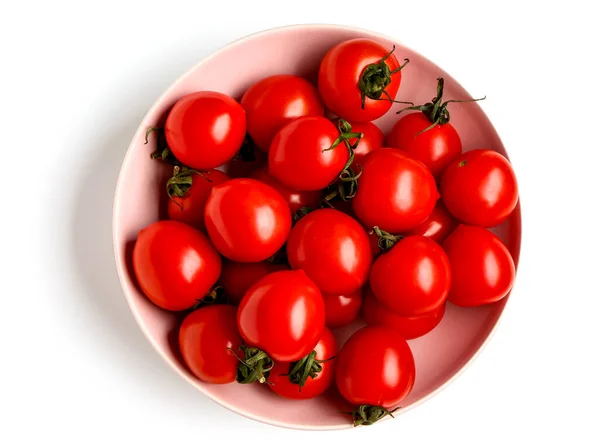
(342, 309)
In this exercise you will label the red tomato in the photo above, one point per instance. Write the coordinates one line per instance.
(483, 270)
(342, 309)
(205, 129)
(298, 159)
(320, 365)
(375, 313)
(358, 78)
(413, 277)
(375, 367)
(480, 188)
(282, 314)
(437, 226)
(247, 220)
(395, 192)
(372, 140)
(333, 249)
(237, 278)
(294, 198)
(194, 189)
(175, 264)
(273, 102)
(206, 338)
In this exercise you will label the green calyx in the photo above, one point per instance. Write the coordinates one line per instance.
(214, 297)
(255, 365)
(162, 152)
(385, 239)
(375, 78)
(307, 367)
(367, 415)
(181, 181)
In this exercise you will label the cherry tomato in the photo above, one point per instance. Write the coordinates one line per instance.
(237, 278)
(321, 364)
(395, 192)
(247, 220)
(175, 264)
(437, 226)
(207, 337)
(483, 270)
(413, 277)
(358, 78)
(412, 327)
(294, 198)
(282, 314)
(273, 102)
(342, 309)
(333, 249)
(189, 207)
(372, 140)
(480, 188)
(205, 129)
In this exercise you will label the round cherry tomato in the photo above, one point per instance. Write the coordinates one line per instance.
(375, 367)
(413, 277)
(483, 270)
(237, 278)
(395, 192)
(205, 129)
(207, 337)
(175, 264)
(480, 188)
(299, 156)
(294, 198)
(273, 102)
(285, 378)
(342, 309)
(437, 226)
(356, 77)
(282, 314)
(375, 313)
(189, 207)
(372, 140)
(247, 220)
(333, 249)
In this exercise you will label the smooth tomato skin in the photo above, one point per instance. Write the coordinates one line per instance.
(190, 208)
(205, 129)
(483, 270)
(274, 101)
(295, 199)
(280, 384)
(297, 158)
(438, 226)
(372, 140)
(412, 327)
(282, 314)
(247, 220)
(342, 309)
(436, 148)
(413, 277)
(375, 367)
(332, 249)
(480, 188)
(395, 192)
(237, 278)
(175, 264)
(205, 337)
(340, 71)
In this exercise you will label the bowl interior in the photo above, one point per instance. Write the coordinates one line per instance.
(140, 200)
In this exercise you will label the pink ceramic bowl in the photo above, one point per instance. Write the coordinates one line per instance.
(140, 200)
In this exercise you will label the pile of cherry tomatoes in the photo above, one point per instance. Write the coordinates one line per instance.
(290, 213)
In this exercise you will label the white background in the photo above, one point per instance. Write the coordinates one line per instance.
(76, 80)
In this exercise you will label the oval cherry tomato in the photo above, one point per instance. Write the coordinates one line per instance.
(480, 188)
(342, 309)
(282, 314)
(175, 264)
(299, 156)
(320, 364)
(205, 129)
(333, 249)
(237, 278)
(437, 226)
(412, 327)
(207, 337)
(247, 220)
(483, 270)
(274, 101)
(356, 77)
(189, 207)
(395, 192)
(372, 140)
(413, 277)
